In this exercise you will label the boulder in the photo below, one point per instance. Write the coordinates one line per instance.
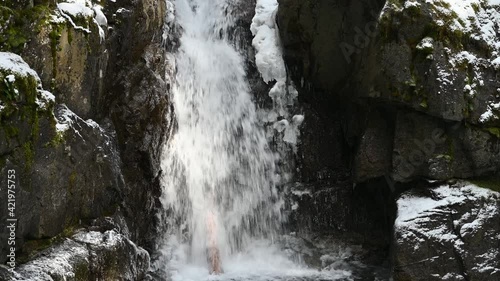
(87, 255)
(67, 170)
(438, 58)
(365, 67)
(450, 232)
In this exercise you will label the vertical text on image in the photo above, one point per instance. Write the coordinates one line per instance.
(11, 218)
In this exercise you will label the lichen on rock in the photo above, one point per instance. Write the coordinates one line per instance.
(48, 162)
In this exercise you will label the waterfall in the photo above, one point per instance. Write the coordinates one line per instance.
(220, 176)
(219, 173)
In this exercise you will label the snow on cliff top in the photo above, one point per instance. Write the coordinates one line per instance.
(446, 221)
(480, 19)
(82, 8)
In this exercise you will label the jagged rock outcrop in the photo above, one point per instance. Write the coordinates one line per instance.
(86, 255)
(412, 56)
(103, 64)
(65, 44)
(448, 233)
(438, 59)
(137, 102)
(398, 91)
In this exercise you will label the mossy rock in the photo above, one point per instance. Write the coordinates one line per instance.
(492, 183)
(20, 25)
(32, 247)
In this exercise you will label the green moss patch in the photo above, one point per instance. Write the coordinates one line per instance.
(19, 25)
(494, 131)
(492, 183)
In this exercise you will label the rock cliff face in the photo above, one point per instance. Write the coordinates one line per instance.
(448, 232)
(400, 74)
(83, 114)
(399, 97)
(399, 92)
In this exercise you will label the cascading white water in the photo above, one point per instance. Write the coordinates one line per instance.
(219, 175)
(218, 169)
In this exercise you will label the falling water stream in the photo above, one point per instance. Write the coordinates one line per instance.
(219, 172)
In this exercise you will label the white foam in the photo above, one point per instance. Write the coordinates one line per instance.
(218, 162)
(263, 261)
(76, 8)
(219, 173)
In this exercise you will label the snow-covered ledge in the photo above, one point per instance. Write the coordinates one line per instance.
(87, 255)
(451, 232)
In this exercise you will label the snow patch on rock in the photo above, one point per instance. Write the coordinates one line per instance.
(270, 63)
(63, 261)
(489, 114)
(67, 119)
(426, 44)
(76, 8)
(45, 99)
(99, 16)
(17, 67)
(447, 221)
(411, 207)
(72, 9)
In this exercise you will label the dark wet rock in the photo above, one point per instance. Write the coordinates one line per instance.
(448, 233)
(400, 59)
(67, 169)
(402, 97)
(312, 33)
(355, 215)
(137, 103)
(428, 147)
(322, 155)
